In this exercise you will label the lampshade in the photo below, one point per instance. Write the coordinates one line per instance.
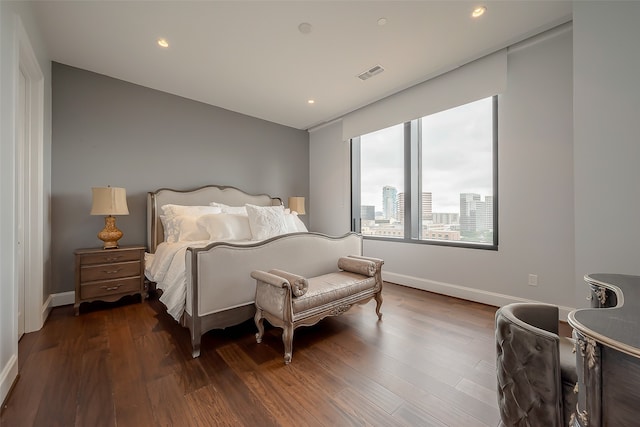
(109, 201)
(296, 204)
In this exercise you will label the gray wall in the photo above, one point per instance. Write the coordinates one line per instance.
(110, 132)
(607, 138)
(535, 192)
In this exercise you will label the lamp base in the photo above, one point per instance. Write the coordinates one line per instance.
(110, 234)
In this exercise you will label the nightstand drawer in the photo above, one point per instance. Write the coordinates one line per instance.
(109, 287)
(109, 271)
(105, 257)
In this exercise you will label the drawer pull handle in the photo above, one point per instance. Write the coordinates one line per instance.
(111, 271)
(110, 288)
(113, 258)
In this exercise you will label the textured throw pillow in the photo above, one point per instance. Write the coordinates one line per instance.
(225, 227)
(266, 221)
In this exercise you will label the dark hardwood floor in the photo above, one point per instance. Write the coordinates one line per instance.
(429, 362)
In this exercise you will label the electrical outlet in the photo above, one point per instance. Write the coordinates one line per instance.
(533, 280)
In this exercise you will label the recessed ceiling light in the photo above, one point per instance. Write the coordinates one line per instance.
(382, 21)
(305, 28)
(163, 43)
(311, 101)
(478, 11)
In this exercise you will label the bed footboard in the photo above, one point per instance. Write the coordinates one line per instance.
(220, 290)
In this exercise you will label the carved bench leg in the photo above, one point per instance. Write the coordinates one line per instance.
(287, 339)
(258, 319)
(378, 298)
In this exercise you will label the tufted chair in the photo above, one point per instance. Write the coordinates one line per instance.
(536, 368)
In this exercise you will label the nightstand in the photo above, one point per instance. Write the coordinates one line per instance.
(109, 274)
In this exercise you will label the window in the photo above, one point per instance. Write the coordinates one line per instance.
(382, 183)
(430, 180)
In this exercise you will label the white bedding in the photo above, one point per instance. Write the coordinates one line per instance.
(185, 225)
(167, 268)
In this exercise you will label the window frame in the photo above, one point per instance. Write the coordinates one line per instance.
(413, 184)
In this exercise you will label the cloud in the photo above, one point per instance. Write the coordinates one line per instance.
(457, 156)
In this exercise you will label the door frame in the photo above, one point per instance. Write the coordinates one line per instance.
(33, 186)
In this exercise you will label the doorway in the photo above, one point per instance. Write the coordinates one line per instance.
(29, 187)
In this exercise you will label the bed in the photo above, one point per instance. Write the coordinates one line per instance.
(201, 255)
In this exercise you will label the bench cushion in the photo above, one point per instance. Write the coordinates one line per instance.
(329, 288)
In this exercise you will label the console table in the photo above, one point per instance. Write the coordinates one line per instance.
(608, 352)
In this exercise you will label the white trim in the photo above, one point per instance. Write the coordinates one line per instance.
(34, 150)
(46, 307)
(8, 376)
(457, 291)
(63, 298)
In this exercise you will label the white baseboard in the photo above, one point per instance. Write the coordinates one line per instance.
(470, 294)
(46, 309)
(63, 298)
(8, 376)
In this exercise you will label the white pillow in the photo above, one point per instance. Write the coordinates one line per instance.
(184, 228)
(240, 210)
(294, 223)
(174, 210)
(172, 226)
(225, 227)
(266, 221)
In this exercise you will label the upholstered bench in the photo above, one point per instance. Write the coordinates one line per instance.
(288, 300)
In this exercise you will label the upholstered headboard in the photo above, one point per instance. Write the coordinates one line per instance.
(199, 197)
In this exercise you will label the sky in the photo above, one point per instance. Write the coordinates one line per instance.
(457, 146)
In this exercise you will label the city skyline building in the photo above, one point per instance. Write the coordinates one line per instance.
(468, 211)
(368, 212)
(426, 204)
(390, 202)
(475, 215)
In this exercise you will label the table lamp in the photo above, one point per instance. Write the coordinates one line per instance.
(109, 201)
(296, 204)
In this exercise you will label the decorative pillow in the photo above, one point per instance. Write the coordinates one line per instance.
(266, 221)
(172, 225)
(183, 228)
(225, 227)
(240, 210)
(357, 265)
(174, 210)
(293, 223)
(299, 224)
(299, 284)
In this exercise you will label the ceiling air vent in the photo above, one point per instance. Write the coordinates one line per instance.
(377, 69)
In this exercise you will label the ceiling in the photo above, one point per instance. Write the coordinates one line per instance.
(251, 57)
